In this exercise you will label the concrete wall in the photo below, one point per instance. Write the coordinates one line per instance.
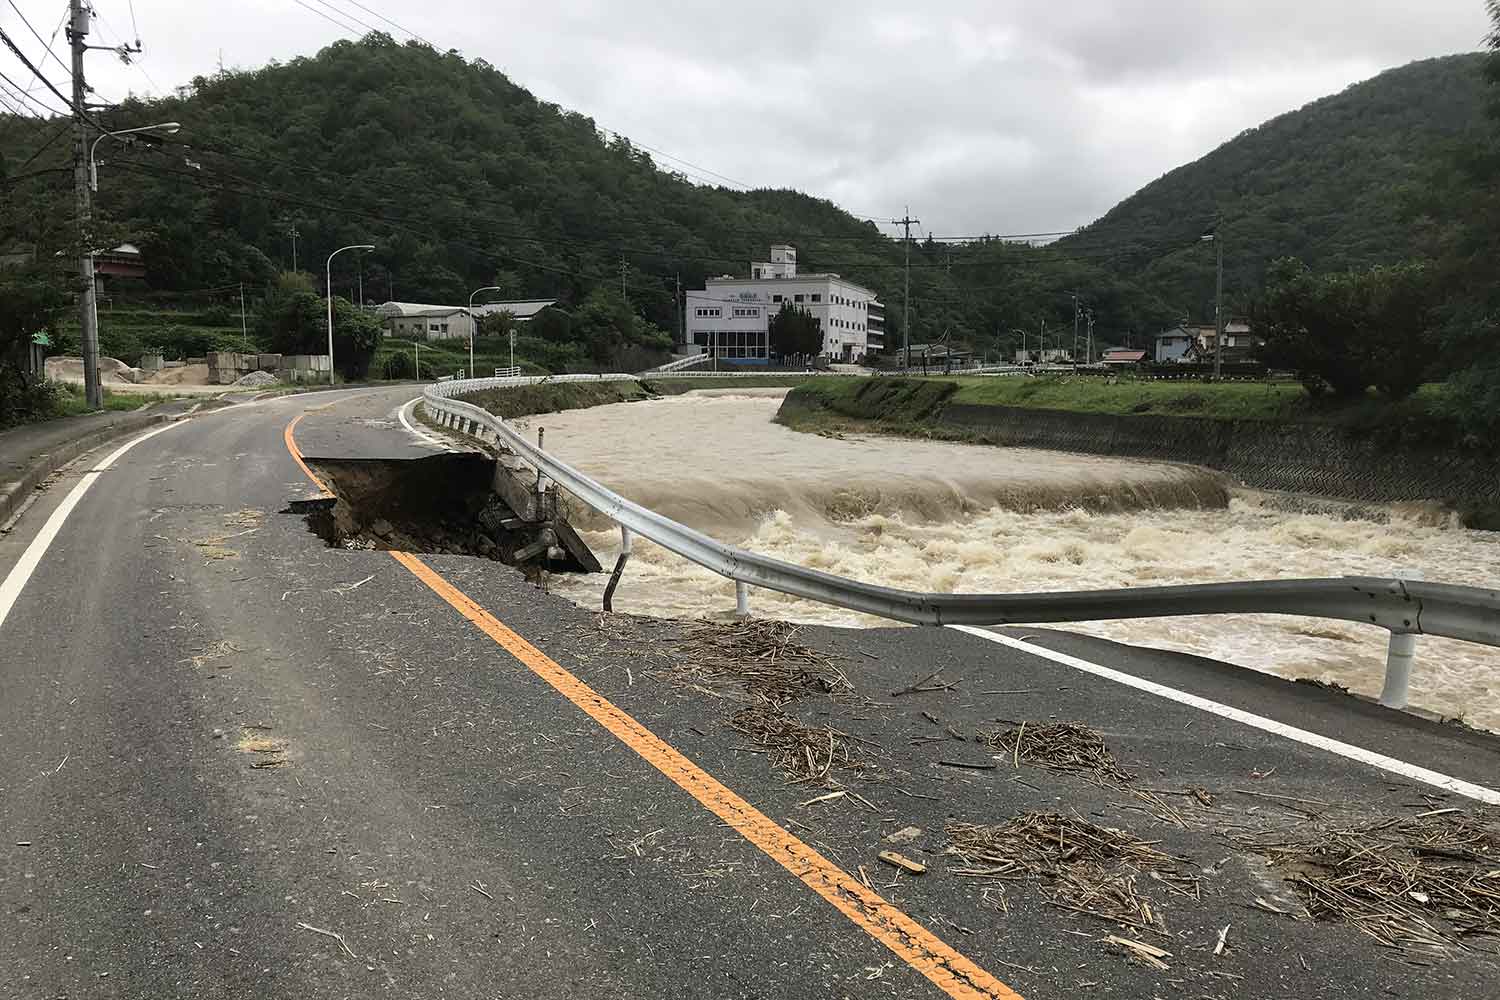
(1301, 458)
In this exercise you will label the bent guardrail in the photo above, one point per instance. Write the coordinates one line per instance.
(1404, 607)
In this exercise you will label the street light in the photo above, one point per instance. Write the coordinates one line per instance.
(1017, 329)
(93, 392)
(328, 278)
(486, 288)
(167, 128)
(1218, 304)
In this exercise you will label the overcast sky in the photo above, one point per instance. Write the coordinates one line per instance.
(1008, 116)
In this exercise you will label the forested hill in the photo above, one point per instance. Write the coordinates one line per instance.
(458, 176)
(1336, 183)
(461, 178)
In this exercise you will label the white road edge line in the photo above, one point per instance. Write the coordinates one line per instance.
(401, 415)
(1377, 760)
(15, 581)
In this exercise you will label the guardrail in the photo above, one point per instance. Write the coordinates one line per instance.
(690, 361)
(1404, 607)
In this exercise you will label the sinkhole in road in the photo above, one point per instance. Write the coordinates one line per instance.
(437, 504)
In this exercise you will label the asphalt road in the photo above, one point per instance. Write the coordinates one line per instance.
(242, 763)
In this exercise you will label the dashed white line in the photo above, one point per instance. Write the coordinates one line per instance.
(1347, 750)
(15, 581)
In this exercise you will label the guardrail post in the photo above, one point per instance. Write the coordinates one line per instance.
(1398, 660)
(614, 578)
(741, 599)
(541, 480)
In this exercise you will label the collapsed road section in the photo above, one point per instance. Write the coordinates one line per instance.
(461, 504)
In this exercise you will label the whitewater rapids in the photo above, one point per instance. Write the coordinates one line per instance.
(939, 516)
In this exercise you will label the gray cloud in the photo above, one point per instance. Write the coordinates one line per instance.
(1003, 116)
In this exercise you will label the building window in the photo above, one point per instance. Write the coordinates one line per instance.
(776, 298)
(817, 296)
(797, 298)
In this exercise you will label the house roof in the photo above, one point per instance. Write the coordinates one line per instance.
(389, 309)
(519, 308)
(1121, 354)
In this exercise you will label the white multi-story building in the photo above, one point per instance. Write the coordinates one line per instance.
(731, 316)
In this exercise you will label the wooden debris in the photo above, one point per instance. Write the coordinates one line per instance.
(1060, 746)
(969, 765)
(825, 798)
(1149, 954)
(902, 862)
(1427, 883)
(1083, 868)
(1223, 936)
(760, 657)
(333, 934)
(805, 753)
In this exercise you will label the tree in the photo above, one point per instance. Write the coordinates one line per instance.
(1348, 331)
(356, 335)
(292, 318)
(497, 324)
(551, 324)
(795, 331)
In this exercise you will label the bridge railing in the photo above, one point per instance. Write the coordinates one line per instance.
(1404, 607)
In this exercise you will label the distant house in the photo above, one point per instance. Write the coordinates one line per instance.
(424, 321)
(1187, 344)
(1240, 343)
(1175, 344)
(522, 309)
(1123, 357)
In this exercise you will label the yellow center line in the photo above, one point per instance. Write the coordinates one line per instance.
(924, 951)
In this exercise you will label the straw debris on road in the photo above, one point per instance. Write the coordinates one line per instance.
(760, 657)
(1428, 883)
(1059, 746)
(805, 753)
(1082, 867)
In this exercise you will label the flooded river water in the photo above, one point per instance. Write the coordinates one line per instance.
(962, 518)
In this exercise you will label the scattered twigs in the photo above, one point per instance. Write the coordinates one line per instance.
(333, 934)
(1424, 883)
(805, 753)
(1084, 868)
(760, 657)
(1060, 746)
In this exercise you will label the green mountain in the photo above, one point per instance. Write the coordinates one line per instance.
(1337, 183)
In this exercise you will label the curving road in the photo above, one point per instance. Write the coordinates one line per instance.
(241, 763)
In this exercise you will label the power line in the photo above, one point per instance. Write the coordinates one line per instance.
(38, 74)
(326, 17)
(25, 100)
(45, 45)
(376, 13)
(344, 13)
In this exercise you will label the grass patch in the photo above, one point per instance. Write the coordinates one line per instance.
(70, 401)
(526, 400)
(1091, 394)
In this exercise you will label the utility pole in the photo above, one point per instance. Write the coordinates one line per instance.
(361, 292)
(907, 222)
(681, 311)
(622, 277)
(294, 234)
(1091, 336)
(1075, 328)
(1219, 308)
(244, 331)
(88, 320)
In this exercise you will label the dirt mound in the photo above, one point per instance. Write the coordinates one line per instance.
(112, 371)
(182, 375)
